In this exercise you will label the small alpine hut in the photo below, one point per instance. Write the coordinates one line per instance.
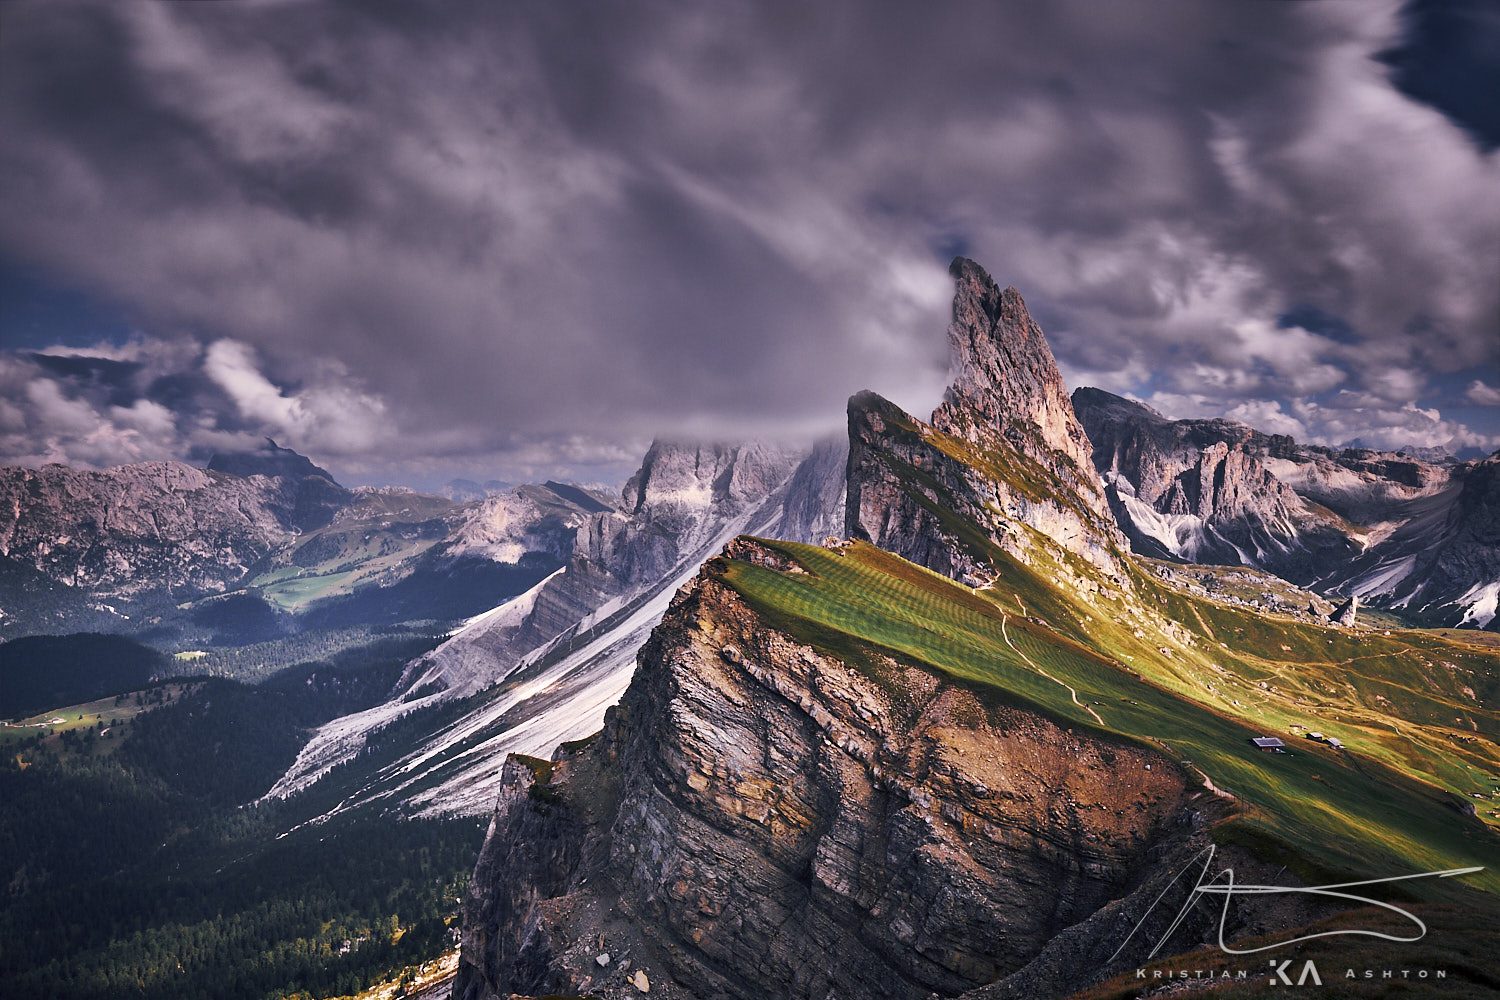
(1270, 744)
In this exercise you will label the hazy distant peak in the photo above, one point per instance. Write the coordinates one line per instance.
(270, 460)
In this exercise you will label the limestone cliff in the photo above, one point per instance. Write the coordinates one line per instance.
(673, 513)
(1394, 529)
(759, 819)
(1438, 555)
(553, 659)
(139, 527)
(1005, 375)
(1199, 490)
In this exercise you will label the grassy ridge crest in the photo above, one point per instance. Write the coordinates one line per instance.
(1160, 676)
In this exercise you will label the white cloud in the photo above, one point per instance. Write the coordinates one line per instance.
(456, 235)
(151, 419)
(329, 416)
(1266, 415)
(1388, 427)
(1481, 394)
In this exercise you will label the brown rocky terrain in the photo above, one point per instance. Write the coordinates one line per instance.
(758, 819)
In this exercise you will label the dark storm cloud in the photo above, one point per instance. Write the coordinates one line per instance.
(405, 233)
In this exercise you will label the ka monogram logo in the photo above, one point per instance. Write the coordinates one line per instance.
(1309, 973)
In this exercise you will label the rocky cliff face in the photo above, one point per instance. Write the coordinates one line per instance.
(1436, 555)
(1199, 490)
(682, 496)
(1360, 485)
(1003, 449)
(1004, 376)
(672, 511)
(758, 819)
(813, 508)
(565, 650)
(1394, 529)
(526, 521)
(316, 497)
(141, 527)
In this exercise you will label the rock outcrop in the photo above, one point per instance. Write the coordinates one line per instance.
(1199, 490)
(1397, 530)
(758, 819)
(1003, 449)
(1346, 613)
(1005, 376)
(136, 528)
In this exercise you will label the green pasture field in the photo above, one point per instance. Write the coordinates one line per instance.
(1141, 668)
(86, 715)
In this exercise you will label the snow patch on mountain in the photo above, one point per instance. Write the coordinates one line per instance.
(1383, 580)
(557, 656)
(1180, 534)
(1480, 604)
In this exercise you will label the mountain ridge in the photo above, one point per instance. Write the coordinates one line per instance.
(828, 754)
(1389, 527)
(1004, 447)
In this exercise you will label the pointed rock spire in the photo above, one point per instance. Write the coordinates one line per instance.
(1004, 370)
(1346, 613)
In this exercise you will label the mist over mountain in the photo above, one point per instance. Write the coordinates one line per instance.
(271, 461)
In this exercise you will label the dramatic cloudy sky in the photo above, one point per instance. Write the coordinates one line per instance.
(515, 240)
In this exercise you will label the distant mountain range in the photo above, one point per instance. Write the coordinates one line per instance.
(544, 667)
(1420, 534)
(137, 547)
(119, 550)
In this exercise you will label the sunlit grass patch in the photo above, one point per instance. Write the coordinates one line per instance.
(1347, 811)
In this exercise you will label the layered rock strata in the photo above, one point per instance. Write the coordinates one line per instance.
(1199, 490)
(758, 819)
(141, 527)
(1397, 530)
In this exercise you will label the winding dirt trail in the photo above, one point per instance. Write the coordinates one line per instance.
(1031, 663)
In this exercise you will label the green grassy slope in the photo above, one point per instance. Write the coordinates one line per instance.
(371, 540)
(1182, 674)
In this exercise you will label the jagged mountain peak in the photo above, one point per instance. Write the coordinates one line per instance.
(1393, 528)
(270, 460)
(1003, 368)
(1116, 407)
(1004, 448)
